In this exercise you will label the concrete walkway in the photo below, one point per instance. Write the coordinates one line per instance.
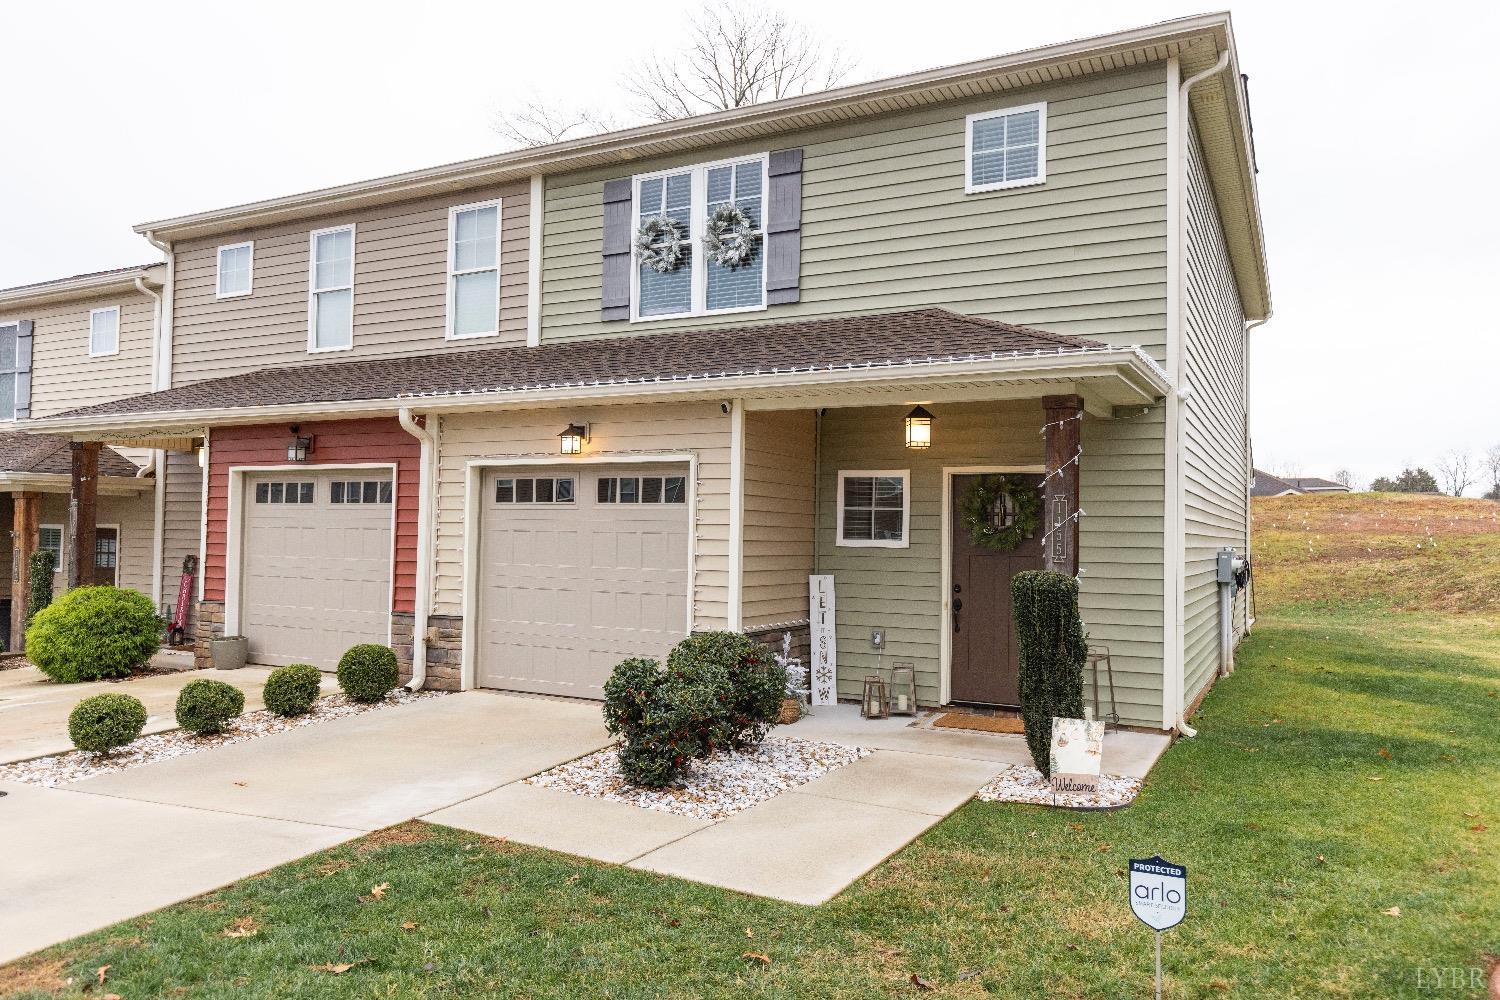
(34, 710)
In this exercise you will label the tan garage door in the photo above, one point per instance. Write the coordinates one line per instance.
(315, 564)
(579, 568)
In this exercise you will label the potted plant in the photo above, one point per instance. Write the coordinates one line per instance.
(796, 683)
(230, 652)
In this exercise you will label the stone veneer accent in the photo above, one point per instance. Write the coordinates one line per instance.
(445, 637)
(208, 625)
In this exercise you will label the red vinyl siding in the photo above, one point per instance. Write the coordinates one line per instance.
(335, 442)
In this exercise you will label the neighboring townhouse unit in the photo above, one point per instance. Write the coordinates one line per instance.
(63, 344)
(527, 415)
(1263, 484)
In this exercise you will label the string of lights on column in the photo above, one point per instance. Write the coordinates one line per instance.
(1078, 514)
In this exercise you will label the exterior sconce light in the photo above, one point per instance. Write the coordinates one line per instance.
(573, 437)
(298, 447)
(919, 429)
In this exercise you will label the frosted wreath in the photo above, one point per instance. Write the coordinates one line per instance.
(731, 240)
(661, 243)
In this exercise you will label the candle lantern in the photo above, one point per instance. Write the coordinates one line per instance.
(874, 704)
(903, 693)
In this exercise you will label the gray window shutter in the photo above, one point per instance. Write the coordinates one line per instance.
(617, 256)
(784, 228)
(24, 331)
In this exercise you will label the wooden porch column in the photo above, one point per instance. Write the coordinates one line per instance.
(25, 526)
(1060, 496)
(83, 511)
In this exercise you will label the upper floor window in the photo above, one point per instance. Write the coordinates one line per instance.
(8, 335)
(236, 263)
(330, 307)
(104, 332)
(1006, 148)
(474, 270)
(690, 198)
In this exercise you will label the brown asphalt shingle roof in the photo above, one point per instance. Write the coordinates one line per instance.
(917, 336)
(47, 454)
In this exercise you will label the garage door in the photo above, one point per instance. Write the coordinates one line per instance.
(579, 569)
(315, 564)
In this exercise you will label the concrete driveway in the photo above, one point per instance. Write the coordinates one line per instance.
(34, 710)
(147, 837)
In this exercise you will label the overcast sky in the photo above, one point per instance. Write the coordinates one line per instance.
(1376, 132)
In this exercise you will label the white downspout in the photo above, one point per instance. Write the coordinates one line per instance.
(1180, 119)
(1249, 467)
(422, 603)
(161, 354)
(156, 462)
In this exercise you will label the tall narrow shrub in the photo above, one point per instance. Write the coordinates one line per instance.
(1053, 650)
(39, 595)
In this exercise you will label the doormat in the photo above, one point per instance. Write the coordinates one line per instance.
(979, 723)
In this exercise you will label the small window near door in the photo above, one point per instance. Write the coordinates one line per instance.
(530, 489)
(360, 491)
(106, 551)
(874, 509)
(643, 489)
(50, 537)
(284, 493)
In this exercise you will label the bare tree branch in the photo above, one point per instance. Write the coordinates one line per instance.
(536, 122)
(1347, 478)
(1492, 467)
(1457, 472)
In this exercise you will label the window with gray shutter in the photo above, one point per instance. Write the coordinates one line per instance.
(8, 349)
(672, 293)
(618, 229)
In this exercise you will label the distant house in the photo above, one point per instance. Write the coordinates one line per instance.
(1263, 484)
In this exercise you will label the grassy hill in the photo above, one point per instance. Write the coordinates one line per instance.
(1376, 552)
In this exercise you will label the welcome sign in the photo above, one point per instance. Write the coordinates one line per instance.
(1077, 754)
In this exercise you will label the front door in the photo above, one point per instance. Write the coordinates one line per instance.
(985, 665)
(106, 556)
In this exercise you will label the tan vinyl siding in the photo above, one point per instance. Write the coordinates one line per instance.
(65, 377)
(697, 428)
(182, 518)
(133, 514)
(778, 525)
(1215, 465)
(400, 289)
(886, 223)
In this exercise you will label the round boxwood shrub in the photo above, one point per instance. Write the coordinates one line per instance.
(665, 717)
(94, 633)
(292, 690)
(756, 683)
(205, 707)
(106, 721)
(367, 672)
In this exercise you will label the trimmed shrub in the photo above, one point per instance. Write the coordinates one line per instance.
(1053, 648)
(106, 721)
(205, 707)
(291, 690)
(367, 672)
(39, 591)
(94, 633)
(756, 684)
(666, 717)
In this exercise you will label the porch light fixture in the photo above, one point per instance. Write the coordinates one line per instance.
(298, 446)
(573, 437)
(919, 429)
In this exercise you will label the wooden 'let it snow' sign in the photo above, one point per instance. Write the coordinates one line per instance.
(825, 658)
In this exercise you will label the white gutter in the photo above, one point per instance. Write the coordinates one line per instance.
(1179, 123)
(422, 603)
(736, 414)
(161, 352)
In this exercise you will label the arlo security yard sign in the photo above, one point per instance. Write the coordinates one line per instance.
(1158, 897)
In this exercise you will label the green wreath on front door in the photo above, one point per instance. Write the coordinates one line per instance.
(1000, 511)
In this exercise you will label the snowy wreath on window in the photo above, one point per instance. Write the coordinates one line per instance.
(731, 240)
(661, 243)
(1000, 512)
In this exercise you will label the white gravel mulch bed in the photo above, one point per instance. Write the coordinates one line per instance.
(76, 765)
(712, 789)
(1024, 783)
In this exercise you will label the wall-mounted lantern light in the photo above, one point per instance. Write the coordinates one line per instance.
(919, 429)
(573, 437)
(297, 447)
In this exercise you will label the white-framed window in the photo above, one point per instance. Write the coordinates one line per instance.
(534, 489)
(104, 332)
(642, 489)
(1005, 148)
(8, 334)
(236, 270)
(474, 270)
(690, 195)
(330, 305)
(360, 491)
(874, 509)
(284, 493)
(50, 537)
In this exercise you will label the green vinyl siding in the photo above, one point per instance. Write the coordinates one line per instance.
(1215, 464)
(886, 224)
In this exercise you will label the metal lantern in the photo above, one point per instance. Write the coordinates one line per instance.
(572, 439)
(298, 447)
(903, 694)
(919, 429)
(874, 705)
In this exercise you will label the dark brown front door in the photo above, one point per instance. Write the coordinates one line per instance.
(986, 662)
(106, 556)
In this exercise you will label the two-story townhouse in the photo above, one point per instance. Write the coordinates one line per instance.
(67, 343)
(526, 415)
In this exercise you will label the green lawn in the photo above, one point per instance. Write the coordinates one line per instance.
(1345, 769)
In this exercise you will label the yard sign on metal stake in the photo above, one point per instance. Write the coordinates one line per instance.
(1158, 898)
